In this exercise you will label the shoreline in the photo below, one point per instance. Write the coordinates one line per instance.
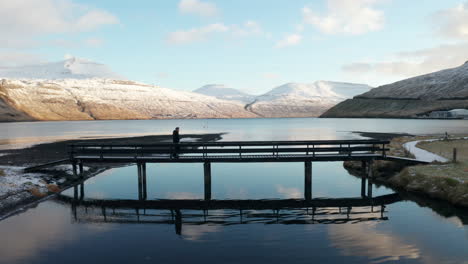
(435, 180)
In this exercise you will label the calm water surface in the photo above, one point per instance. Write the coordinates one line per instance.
(413, 230)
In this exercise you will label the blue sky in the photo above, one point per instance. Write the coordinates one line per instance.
(252, 45)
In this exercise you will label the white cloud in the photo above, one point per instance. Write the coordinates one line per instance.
(94, 19)
(249, 28)
(452, 22)
(12, 59)
(291, 193)
(196, 34)
(162, 75)
(412, 63)
(21, 21)
(289, 40)
(93, 42)
(68, 56)
(198, 8)
(352, 17)
(270, 75)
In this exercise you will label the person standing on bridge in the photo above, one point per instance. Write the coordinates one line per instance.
(176, 140)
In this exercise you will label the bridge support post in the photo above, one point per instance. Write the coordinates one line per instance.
(370, 176)
(145, 190)
(81, 169)
(140, 183)
(308, 180)
(363, 179)
(178, 222)
(75, 170)
(75, 193)
(82, 191)
(207, 177)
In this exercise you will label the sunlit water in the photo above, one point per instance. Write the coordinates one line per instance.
(54, 233)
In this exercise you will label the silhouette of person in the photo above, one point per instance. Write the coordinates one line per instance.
(176, 140)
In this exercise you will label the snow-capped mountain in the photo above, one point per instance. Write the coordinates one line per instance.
(75, 99)
(445, 84)
(71, 68)
(301, 100)
(223, 92)
(414, 97)
(79, 89)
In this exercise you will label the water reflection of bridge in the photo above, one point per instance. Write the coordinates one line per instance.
(230, 212)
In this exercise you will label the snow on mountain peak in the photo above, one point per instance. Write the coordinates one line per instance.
(320, 90)
(223, 92)
(70, 68)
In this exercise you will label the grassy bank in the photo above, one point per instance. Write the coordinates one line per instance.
(447, 181)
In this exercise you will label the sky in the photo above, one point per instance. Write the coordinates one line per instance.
(251, 45)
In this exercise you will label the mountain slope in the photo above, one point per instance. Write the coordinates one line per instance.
(413, 97)
(225, 93)
(303, 100)
(72, 68)
(74, 99)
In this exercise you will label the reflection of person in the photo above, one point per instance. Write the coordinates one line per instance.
(176, 140)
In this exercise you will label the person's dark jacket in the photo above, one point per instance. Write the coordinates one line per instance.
(175, 136)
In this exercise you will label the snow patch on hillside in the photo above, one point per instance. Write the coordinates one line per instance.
(223, 92)
(445, 84)
(320, 91)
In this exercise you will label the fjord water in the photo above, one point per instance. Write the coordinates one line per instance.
(416, 229)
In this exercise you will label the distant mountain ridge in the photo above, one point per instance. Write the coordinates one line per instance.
(413, 97)
(99, 99)
(79, 89)
(290, 99)
(223, 92)
(302, 100)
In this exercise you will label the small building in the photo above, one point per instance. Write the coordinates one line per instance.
(439, 114)
(459, 113)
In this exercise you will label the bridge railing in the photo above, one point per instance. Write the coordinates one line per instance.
(230, 148)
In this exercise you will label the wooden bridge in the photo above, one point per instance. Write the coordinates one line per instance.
(246, 151)
(366, 151)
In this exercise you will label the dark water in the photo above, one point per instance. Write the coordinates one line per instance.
(412, 230)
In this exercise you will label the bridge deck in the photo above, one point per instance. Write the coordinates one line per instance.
(232, 151)
(229, 152)
(226, 158)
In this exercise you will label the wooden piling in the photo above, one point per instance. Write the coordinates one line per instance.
(207, 174)
(140, 184)
(454, 158)
(308, 180)
(81, 169)
(370, 176)
(75, 192)
(363, 179)
(145, 190)
(82, 191)
(75, 170)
